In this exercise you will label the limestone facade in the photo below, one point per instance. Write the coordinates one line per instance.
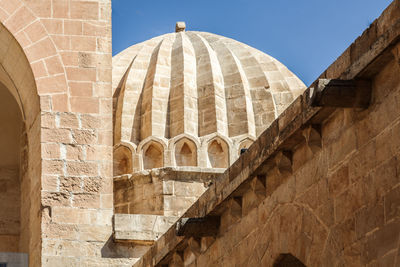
(164, 191)
(320, 187)
(122, 162)
(56, 63)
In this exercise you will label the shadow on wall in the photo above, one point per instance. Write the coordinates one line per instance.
(288, 260)
(218, 154)
(11, 144)
(122, 160)
(185, 153)
(153, 156)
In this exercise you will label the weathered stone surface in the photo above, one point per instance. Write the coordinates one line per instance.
(341, 93)
(198, 100)
(141, 228)
(165, 191)
(40, 42)
(338, 205)
(319, 184)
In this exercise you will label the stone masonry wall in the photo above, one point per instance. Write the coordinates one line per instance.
(164, 191)
(340, 207)
(157, 197)
(67, 44)
(321, 184)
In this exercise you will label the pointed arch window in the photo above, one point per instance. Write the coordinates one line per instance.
(185, 153)
(218, 154)
(153, 156)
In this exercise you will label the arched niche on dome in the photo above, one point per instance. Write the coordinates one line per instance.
(246, 86)
(288, 260)
(218, 153)
(245, 144)
(185, 152)
(153, 155)
(122, 160)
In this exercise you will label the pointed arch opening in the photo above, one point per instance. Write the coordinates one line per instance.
(185, 153)
(20, 153)
(153, 156)
(218, 154)
(11, 144)
(122, 160)
(288, 260)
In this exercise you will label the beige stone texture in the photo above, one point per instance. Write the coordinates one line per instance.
(100, 157)
(165, 191)
(62, 187)
(141, 228)
(188, 101)
(195, 86)
(320, 186)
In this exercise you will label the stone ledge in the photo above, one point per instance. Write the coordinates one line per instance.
(141, 228)
(164, 191)
(184, 174)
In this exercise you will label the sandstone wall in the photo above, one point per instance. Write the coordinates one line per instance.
(165, 191)
(340, 207)
(320, 185)
(58, 55)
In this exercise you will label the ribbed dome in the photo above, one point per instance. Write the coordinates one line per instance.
(198, 84)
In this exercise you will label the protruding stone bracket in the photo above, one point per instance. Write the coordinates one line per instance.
(206, 242)
(235, 205)
(198, 227)
(280, 163)
(258, 184)
(141, 229)
(283, 161)
(177, 259)
(312, 135)
(341, 93)
(194, 244)
(396, 53)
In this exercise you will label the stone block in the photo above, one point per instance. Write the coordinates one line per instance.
(84, 10)
(57, 135)
(392, 204)
(368, 219)
(141, 227)
(348, 202)
(382, 241)
(86, 200)
(338, 181)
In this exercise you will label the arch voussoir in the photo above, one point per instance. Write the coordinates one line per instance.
(40, 51)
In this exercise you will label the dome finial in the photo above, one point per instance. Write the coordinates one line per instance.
(180, 26)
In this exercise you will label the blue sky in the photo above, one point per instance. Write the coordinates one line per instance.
(305, 35)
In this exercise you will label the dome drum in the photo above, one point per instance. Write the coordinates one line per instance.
(212, 151)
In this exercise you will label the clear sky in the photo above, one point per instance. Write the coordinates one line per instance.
(305, 35)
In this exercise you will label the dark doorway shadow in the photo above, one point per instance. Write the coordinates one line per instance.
(288, 260)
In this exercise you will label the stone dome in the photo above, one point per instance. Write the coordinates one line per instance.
(193, 98)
